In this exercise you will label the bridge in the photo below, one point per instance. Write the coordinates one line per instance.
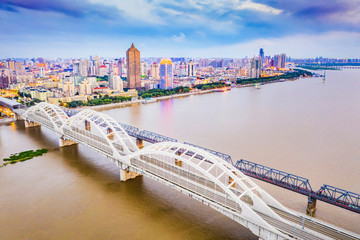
(331, 65)
(202, 174)
(7, 106)
(329, 194)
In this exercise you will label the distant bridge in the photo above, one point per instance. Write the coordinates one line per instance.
(335, 196)
(204, 175)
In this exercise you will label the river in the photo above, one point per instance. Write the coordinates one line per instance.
(304, 127)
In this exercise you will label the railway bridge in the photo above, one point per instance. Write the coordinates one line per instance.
(206, 176)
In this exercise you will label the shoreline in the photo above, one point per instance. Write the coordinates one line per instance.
(5, 121)
(158, 99)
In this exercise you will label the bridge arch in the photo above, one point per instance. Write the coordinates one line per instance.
(209, 176)
(50, 115)
(99, 131)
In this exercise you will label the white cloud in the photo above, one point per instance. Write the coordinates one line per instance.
(136, 9)
(178, 38)
(248, 4)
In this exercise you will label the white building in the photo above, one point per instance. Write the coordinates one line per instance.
(69, 89)
(85, 88)
(155, 71)
(115, 82)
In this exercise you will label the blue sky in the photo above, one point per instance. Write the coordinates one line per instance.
(191, 28)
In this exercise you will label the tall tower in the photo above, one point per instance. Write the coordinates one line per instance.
(191, 71)
(133, 67)
(261, 53)
(166, 74)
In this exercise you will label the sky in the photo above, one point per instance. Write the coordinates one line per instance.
(179, 28)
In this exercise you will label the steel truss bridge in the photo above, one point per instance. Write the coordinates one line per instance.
(202, 174)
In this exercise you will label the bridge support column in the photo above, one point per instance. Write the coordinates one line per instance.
(31, 124)
(231, 180)
(87, 126)
(110, 134)
(17, 117)
(66, 142)
(311, 206)
(177, 161)
(125, 175)
(139, 143)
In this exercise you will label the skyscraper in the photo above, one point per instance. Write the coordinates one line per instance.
(261, 53)
(280, 60)
(155, 71)
(4, 77)
(191, 69)
(166, 74)
(255, 68)
(133, 67)
(76, 67)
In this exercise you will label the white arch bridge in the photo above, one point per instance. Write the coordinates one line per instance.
(191, 170)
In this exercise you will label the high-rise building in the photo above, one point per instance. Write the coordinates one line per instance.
(115, 82)
(4, 77)
(183, 69)
(85, 88)
(166, 74)
(83, 67)
(133, 67)
(19, 68)
(280, 60)
(69, 89)
(103, 71)
(155, 71)
(191, 69)
(261, 53)
(255, 67)
(12, 65)
(143, 68)
(76, 67)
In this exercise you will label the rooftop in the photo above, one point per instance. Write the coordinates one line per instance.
(9, 103)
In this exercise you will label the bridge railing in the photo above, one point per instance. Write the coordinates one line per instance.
(219, 154)
(274, 176)
(154, 137)
(339, 197)
(132, 131)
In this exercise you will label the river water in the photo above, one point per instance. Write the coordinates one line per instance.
(304, 127)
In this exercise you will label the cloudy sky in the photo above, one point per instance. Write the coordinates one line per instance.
(191, 28)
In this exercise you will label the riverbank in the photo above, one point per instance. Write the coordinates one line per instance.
(158, 99)
(5, 121)
(126, 104)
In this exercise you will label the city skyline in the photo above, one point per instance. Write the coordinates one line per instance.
(167, 28)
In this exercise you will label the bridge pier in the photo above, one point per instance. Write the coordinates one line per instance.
(311, 206)
(31, 124)
(110, 134)
(66, 142)
(177, 161)
(17, 117)
(231, 180)
(126, 174)
(139, 143)
(87, 126)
